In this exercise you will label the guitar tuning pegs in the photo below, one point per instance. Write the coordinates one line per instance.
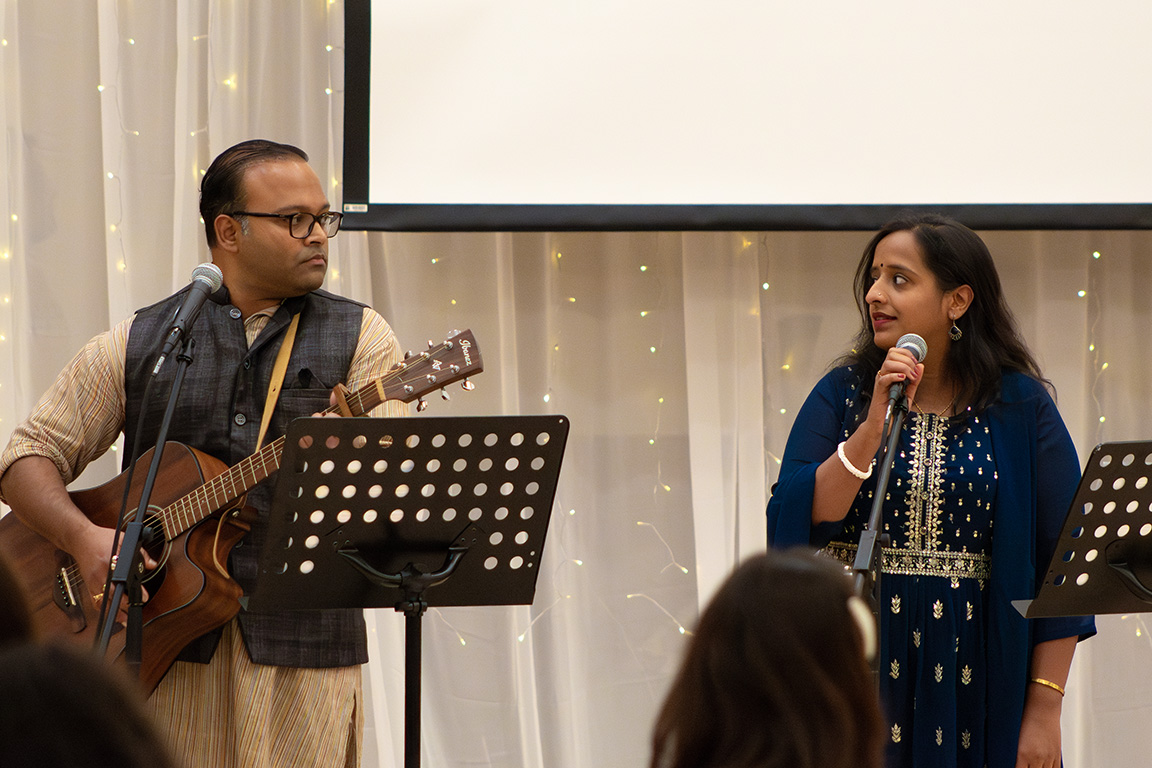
(467, 385)
(421, 404)
(431, 344)
(444, 394)
(408, 354)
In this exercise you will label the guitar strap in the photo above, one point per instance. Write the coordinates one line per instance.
(274, 385)
(277, 379)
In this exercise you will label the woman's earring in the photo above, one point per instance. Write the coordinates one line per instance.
(954, 332)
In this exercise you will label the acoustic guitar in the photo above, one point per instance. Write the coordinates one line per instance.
(198, 504)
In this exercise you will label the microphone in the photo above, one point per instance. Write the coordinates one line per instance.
(919, 349)
(206, 280)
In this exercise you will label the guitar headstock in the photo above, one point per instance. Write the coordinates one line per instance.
(452, 360)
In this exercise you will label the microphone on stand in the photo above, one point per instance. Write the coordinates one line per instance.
(206, 280)
(919, 349)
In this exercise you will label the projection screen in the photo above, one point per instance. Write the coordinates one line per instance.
(725, 114)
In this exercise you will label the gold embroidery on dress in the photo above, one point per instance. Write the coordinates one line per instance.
(966, 675)
(895, 670)
(939, 671)
(937, 609)
(939, 736)
(916, 638)
(895, 733)
(966, 740)
(924, 553)
(895, 603)
(969, 611)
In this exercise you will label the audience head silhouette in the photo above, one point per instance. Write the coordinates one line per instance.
(15, 619)
(64, 709)
(776, 674)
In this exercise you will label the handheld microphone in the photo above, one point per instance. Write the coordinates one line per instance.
(919, 349)
(206, 280)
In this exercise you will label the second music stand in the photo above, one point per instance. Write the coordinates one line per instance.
(1103, 560)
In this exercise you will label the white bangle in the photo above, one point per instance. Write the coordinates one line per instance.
(848, 465)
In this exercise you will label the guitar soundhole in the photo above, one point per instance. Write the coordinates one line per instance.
(158, 549)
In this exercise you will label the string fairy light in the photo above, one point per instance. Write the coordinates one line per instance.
(763, 253)
(671, 554)
(11, 245)
(1139, 625)
(564, 560)
(1096, 362)
(440, 615)
(683, 630)
(520, 637)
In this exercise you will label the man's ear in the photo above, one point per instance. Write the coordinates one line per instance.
(228, 233)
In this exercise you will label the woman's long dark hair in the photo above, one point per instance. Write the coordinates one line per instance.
(775, 676)
(991, 342)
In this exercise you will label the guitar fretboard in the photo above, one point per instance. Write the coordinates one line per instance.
(237, 480)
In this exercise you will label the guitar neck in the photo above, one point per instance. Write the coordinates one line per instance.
(237, 480)
(453, 360)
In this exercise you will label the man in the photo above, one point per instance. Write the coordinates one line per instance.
(269, 690)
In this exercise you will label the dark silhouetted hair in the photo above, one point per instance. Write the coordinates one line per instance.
(991, 342)
(15, 619)
(61, 708)
(222, 188)
(775, 676)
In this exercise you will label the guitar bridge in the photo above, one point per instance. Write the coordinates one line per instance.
(69, 591)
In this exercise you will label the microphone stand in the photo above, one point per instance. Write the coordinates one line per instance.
(128, 573)
(868, 564)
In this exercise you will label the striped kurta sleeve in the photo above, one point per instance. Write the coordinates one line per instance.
(82, 413)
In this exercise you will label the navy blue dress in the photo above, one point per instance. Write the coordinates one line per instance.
(974, 511)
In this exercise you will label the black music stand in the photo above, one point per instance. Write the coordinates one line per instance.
(1103, 560)
(410, 513)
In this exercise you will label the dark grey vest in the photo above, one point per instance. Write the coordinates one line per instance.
(219, 410)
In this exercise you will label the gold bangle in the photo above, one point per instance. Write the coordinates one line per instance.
(1058, 688)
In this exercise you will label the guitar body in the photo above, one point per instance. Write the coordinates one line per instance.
(188, 594)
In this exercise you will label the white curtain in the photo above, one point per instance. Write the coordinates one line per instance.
(680, 359)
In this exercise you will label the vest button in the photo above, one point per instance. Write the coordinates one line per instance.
(247, 364)
(235, 313)
(240, 419)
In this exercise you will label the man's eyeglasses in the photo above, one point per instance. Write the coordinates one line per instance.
(300, 224)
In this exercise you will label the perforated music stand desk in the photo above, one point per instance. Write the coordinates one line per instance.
(408, 513)
(1103, 560)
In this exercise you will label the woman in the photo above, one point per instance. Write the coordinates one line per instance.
(982, 479)
(776, 675)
